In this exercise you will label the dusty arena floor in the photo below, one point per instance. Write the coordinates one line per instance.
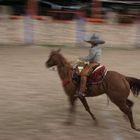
(33, 105)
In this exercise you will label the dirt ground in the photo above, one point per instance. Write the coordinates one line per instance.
(33, 105)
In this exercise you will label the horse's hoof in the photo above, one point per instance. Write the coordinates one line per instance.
(137, 129)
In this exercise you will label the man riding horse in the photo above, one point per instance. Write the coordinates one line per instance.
(94, 58)
(115, 85)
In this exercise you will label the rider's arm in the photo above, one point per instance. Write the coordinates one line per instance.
(90, 56)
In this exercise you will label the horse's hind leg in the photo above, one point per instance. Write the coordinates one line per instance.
(127, 110)
(84, 102)
(129, 103)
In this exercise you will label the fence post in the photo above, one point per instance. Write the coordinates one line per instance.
(138, 33)
(28, 30)
(28, 23)
(80, 28)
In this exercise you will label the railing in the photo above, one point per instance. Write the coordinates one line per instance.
(43, 30)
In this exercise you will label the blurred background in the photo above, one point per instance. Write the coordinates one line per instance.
(68, 22)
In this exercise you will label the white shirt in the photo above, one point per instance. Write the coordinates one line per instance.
(94, 55)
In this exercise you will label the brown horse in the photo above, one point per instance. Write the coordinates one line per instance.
(115, 85)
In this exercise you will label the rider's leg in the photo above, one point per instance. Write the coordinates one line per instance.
(83, 82)
(82, 89)
(84, 74)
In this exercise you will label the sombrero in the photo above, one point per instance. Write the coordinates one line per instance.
(95, 39)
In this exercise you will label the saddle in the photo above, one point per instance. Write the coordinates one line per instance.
(96, 75)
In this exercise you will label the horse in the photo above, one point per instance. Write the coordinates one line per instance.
(115, 85)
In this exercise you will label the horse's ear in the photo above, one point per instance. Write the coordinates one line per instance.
(59, 50)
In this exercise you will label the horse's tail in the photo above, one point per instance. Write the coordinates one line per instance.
(134, 85)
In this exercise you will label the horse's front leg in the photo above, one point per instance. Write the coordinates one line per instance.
(71, 117)
(84, 102)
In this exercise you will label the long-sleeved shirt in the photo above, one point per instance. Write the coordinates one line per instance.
(94, 55)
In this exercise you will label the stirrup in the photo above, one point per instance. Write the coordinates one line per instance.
(79, 94)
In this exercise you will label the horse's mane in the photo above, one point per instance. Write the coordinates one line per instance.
(64, 61)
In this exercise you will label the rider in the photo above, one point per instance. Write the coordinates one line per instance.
(93, 58)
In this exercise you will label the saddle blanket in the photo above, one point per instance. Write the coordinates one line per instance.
(98, 74)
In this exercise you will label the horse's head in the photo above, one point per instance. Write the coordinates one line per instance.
(53, 59)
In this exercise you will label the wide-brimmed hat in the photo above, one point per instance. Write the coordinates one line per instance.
(95, 39)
